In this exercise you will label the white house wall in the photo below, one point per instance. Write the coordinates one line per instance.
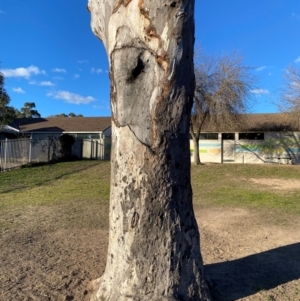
(209, 150)
(96, 148)
(277, 147)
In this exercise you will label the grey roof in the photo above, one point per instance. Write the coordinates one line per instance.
(258, 123)
(247, 123)
(62, 124)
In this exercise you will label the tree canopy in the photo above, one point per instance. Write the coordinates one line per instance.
(7, 113)
(67, 115)
(28, 111)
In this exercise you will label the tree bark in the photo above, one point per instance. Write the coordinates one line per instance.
(154, 251)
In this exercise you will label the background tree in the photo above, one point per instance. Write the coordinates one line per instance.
(154, 250)
(28, 111)
(59, 115)
(74, 115)
(7, 113)
(65, 115)
(223, 86)
(290, 96)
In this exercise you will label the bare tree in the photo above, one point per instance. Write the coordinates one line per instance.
(154, 250)
(290, 96)
(223, 87)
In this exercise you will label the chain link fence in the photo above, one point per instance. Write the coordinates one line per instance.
(18, 152)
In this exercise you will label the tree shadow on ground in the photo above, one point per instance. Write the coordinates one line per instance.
(45, 181)
(246, 276)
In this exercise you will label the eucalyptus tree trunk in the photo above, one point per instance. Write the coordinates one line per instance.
(154, 251)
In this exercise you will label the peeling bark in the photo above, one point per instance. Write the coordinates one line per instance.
(154, 251)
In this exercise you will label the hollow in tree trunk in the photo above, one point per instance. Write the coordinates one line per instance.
(154, 251)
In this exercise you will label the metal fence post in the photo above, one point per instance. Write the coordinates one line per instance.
(5, 154)
(30, 149)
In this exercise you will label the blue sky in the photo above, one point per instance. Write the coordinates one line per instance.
(50, 56)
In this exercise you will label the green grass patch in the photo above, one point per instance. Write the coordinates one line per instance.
(55, 183)
(233, 185)
(76, 194)
(68, 194)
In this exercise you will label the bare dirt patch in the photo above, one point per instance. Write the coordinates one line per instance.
(250, 255)
(278, 184)
(247, 255)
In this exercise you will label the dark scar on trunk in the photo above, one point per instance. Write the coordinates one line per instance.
(140, 66)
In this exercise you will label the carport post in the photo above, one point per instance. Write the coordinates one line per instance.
(222, 149)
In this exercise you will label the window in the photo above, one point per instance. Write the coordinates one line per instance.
(88, 136)
(251, 136)
(209, 136)
(227, 136)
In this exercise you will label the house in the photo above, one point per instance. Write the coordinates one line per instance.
(92, 134)
(257, 138)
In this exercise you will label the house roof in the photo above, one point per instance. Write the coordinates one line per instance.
(247, 123)
(258, 123)
(62, 124)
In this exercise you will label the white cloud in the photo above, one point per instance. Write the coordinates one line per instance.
(83, 61)
(18, 90)
(46, 83)
(71, 97)
(43, 83)
(59, 70)
(260, 68)
(97, 71)
(75, 76)
(297, 60)
(22, 72)
(259, 92)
